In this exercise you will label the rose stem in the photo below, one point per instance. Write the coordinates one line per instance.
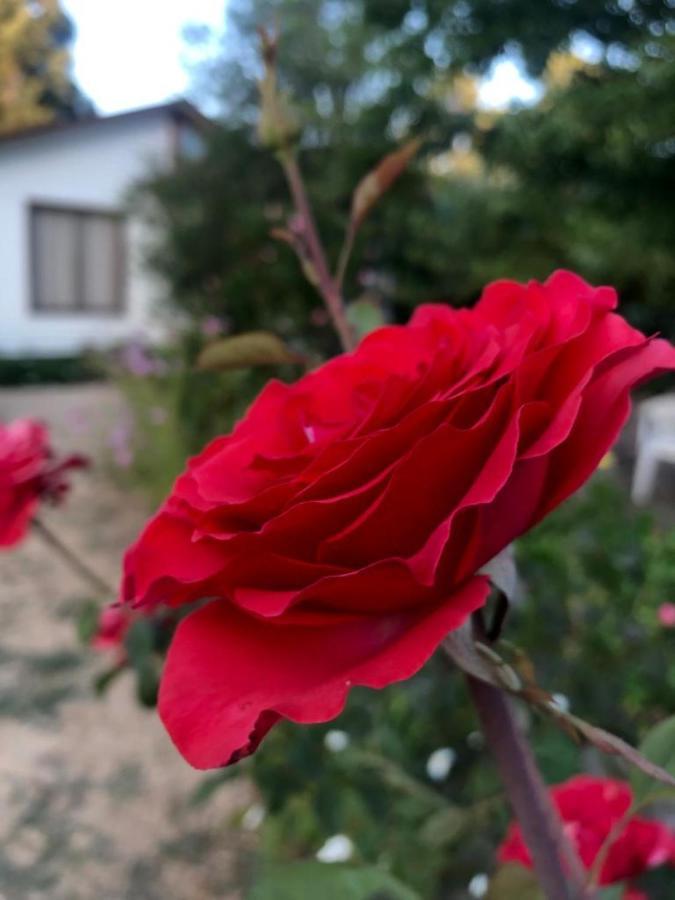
(327, 285)
(529, 798)
(72, 559)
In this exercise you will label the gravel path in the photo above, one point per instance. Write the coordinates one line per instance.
(94, 801)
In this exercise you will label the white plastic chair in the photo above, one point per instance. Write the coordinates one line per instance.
(655, 444)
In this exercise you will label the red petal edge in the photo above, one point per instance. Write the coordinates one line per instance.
(230, 677)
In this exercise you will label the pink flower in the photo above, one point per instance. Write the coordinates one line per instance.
(121, 443)
(138, 360)
(29, 473)
(666, 615)
(212, 326)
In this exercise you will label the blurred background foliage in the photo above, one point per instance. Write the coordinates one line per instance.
(36, 84)
(583, 177)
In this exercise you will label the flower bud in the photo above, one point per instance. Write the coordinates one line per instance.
(279, 126)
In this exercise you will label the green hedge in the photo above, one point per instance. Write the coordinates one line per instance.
(52, 370)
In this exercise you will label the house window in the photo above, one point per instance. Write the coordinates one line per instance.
(78, 260)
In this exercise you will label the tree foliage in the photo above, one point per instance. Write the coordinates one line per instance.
(581, 179)
(35, 80)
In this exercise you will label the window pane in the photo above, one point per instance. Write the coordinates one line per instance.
(55, 260)
(101, 263)
(78, 260)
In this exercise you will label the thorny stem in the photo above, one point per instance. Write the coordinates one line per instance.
(555, 861)
(326, 284)
(72, 559)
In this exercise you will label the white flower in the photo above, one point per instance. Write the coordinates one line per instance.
(338, 848)
(561, 701)
(336, 740)
(478, 886)
(440, 762)
(253, 817)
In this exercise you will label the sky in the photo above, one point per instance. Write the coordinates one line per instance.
(131, 53)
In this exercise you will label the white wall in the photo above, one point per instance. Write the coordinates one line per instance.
(89, 165)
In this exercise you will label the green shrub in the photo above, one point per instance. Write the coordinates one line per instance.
(49, 370)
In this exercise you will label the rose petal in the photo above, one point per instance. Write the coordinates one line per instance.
(230, 676)
(166, 566)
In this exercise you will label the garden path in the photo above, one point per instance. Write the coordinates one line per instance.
(94, 801)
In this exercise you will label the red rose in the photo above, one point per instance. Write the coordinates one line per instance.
(28, 473)
(590, 808)
(338, 530)
(112, 627)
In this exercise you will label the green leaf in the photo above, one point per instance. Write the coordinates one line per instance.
(396, 777)
(140, 647)
(658, 746)
(329, 881)
(103, 681)
(443, 828)
(87, 621)
(254, 348)
(615, 892)
(140, 642)
(513, 882)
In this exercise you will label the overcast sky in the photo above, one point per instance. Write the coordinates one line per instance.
(131, 53)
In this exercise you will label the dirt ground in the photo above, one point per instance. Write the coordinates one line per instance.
(94, 800)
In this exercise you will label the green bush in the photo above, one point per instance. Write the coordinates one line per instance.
(49, 370)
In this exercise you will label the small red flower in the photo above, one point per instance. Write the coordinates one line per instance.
(590, 809)
(338, 530)
(28, 474)
(113, 624)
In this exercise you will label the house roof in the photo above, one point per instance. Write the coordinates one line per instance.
(179, 110)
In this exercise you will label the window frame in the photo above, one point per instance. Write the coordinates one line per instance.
(81, 213)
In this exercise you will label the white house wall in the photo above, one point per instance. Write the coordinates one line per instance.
(87, 166)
